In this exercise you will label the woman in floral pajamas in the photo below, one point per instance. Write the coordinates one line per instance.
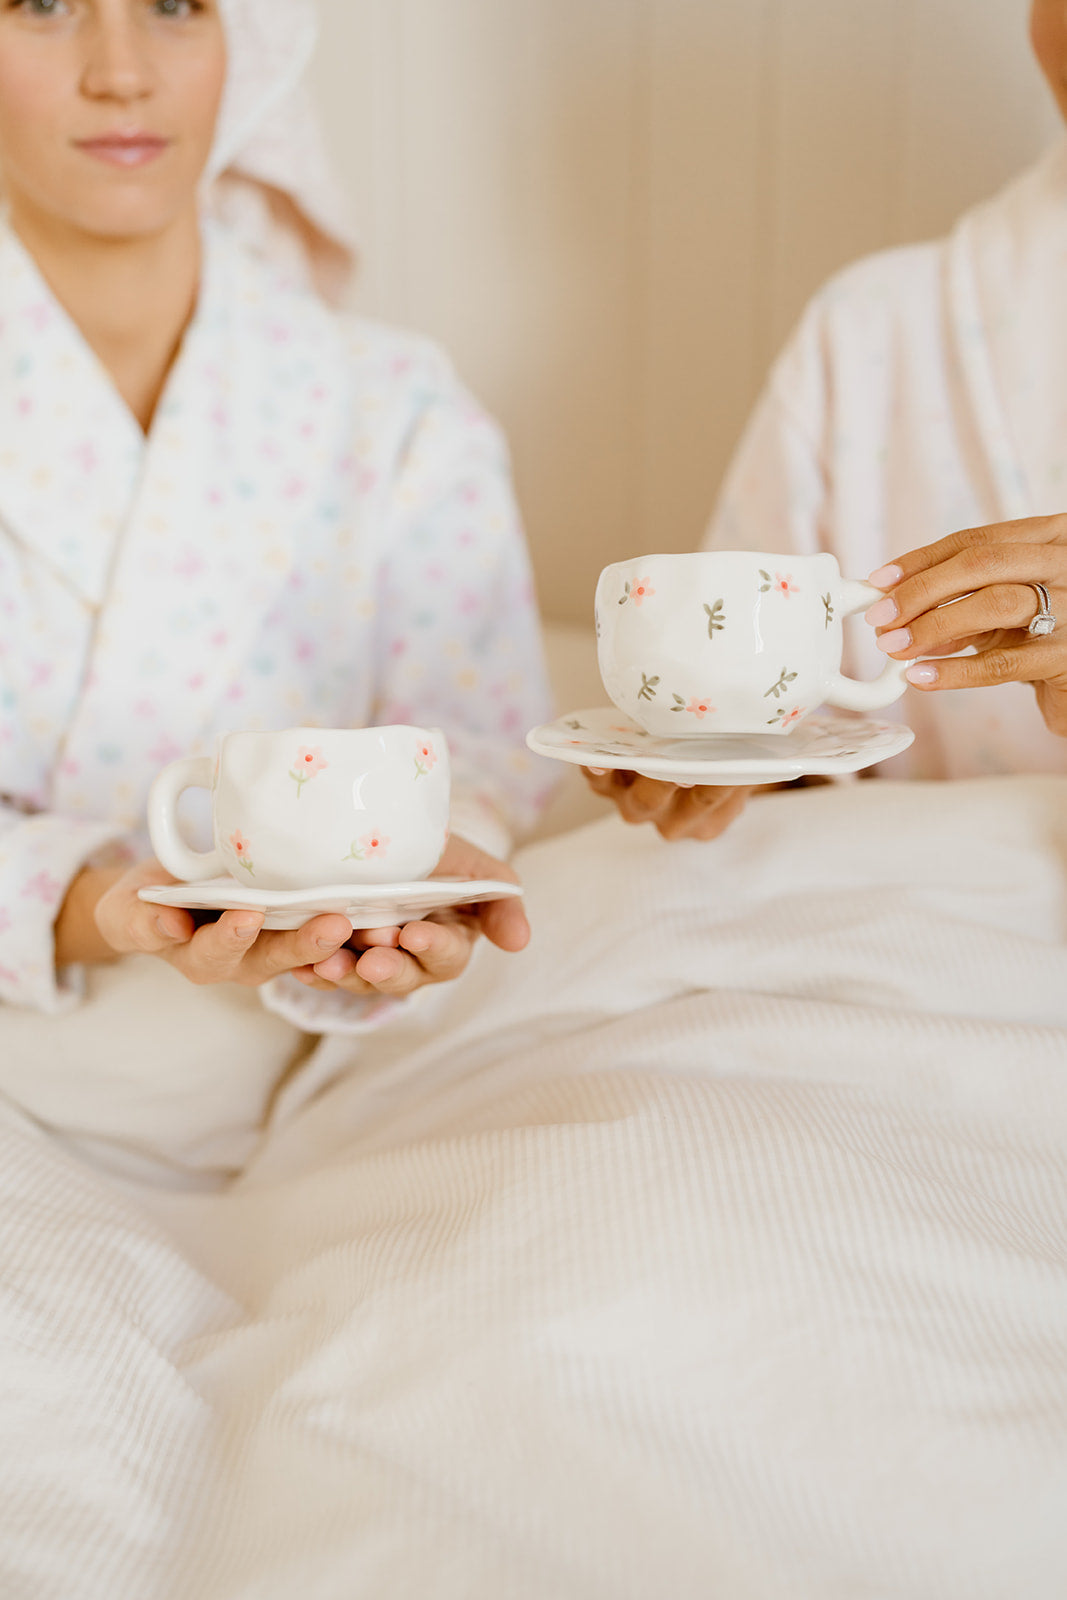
(222, 504)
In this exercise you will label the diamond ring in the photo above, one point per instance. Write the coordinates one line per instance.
(1044, 622)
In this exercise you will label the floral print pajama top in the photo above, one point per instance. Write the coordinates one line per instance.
(318, 530)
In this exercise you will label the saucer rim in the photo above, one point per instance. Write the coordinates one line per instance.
(373, 892)
(288, 909)
(734, 770)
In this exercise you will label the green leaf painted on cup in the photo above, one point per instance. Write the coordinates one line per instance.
(716, 618)
(779, 688)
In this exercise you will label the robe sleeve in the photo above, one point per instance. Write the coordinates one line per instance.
(40, 856)
(459, 640)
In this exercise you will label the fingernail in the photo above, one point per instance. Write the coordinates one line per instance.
(921, 672)
(164, 930)
(598, 772)
(881, 612)
(417, 943)
(886, 577)
(685, 785)
(899, 639)
(247, 929)
(328, 944)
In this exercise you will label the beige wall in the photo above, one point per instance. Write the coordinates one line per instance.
(611, 211)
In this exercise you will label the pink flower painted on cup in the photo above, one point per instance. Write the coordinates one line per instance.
(425, 759)
(700, 709)
(243, 851)
(371, 847)
(308, 764)
(785, 719)
(641, 589)
(784, 585)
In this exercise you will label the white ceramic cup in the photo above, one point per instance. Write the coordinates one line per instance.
(730, 641)
(312, 807)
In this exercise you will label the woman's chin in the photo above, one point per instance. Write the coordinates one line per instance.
(133, 212)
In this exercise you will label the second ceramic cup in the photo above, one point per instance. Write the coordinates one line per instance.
(731, 641)
(312, 807)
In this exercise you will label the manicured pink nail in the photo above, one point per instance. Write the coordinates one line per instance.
(899, 639)
(922, 672)
(598, 772)
(886, 577)
(881, 612)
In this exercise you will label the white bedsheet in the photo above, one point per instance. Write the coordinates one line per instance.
(714, 1249)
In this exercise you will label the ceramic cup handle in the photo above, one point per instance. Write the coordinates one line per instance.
(849, 693)
(189, 865)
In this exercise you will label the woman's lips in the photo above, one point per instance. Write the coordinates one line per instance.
(124, 149)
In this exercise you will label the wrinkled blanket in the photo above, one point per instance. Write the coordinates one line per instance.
(716, 1247)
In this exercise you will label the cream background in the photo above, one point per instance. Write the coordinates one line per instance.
(611, 211)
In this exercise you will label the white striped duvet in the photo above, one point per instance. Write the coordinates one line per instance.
(714, 1249)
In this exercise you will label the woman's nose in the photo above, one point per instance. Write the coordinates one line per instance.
(117, 63)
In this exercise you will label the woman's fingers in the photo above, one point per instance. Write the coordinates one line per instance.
(644, 799)
(985, 612)
(276, 953)
(505, 924)
(215, 952)
(990, 569)
(703, 813)
(1035, 661)
(369, 937)
(442, 949)
(1033, 531)
(129, 925)
(430, 952)
(146, 929)
(235, 950)
(601, 781)
(677, 811)
(976, 588)
(502, 921)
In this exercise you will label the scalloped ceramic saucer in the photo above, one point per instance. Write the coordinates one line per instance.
(820, 747)
(378, 905)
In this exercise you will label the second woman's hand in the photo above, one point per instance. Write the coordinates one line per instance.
(701, 812)
(975, 590)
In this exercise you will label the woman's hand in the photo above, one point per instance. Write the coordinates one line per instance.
(700, 812)
(975, 589)
(396, 961)
(103, 918)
